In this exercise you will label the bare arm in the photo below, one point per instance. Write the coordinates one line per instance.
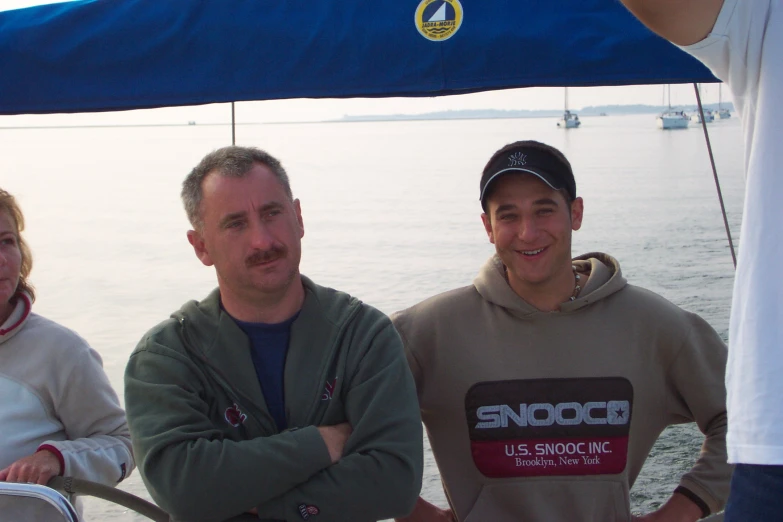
(677, 509)
(682, 22)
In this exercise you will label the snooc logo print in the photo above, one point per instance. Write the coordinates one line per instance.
(438, 20)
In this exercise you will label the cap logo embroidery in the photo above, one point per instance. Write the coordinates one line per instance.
(517, 159)
(234, 416)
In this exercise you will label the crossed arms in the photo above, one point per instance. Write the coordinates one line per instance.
(194, 472)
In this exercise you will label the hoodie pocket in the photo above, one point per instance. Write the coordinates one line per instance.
(559, 500)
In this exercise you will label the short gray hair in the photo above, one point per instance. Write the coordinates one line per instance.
(230, 161)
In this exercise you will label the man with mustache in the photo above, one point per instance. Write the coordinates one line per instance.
(273, 397)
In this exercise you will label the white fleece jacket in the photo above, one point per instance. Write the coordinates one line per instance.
(55, 395)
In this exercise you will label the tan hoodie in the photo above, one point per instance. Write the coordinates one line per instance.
(549, 416)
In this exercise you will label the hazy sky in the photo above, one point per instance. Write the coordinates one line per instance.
(6, 5)
(316, 110)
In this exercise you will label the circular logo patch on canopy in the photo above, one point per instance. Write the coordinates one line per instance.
(438, 20)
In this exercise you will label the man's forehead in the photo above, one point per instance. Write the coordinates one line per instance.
(243, 202)
(257, 181)
(232, 196)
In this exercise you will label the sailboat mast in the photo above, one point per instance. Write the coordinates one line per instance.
(566, 100)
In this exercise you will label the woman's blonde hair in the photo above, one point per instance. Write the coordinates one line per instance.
(8, 204)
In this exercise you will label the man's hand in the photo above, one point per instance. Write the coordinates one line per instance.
(335, 438)
(37, 468)
(426, 512)
(677, 509)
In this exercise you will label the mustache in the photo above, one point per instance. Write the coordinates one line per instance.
(264, 256)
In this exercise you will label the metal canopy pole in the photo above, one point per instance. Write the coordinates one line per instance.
(715, 174)
(233, 126)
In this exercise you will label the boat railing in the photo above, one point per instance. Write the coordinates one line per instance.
(75, 486)
(31, 502)
(35, 503)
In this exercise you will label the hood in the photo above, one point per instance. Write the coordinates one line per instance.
(605, 279)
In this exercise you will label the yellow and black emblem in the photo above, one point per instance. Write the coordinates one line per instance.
(438, 20)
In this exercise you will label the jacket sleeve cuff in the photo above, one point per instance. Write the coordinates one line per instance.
(56, 452)
(693, 497)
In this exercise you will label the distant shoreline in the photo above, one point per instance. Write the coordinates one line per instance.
(598, 111)
(118, 125)
(461, 115)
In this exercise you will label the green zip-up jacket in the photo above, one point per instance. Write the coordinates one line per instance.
(208, 449)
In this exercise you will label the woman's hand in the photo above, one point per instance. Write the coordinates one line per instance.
(37, 468)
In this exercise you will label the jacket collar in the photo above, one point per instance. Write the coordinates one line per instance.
(18, 317)
(314, 338)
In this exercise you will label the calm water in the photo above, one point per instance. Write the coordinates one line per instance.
(391, 215)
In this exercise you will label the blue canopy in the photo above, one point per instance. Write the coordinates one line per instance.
(100, 55)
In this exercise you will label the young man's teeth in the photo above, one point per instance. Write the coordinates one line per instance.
(532, 252)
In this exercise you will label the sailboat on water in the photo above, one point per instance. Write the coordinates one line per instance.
(671, 119)
(570, 120)
(709, 117)
(723, 114)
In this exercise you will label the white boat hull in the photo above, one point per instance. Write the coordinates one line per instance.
(672, 122)
(568, 124)
(708, 117)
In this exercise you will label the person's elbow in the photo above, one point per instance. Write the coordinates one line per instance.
(182, 491)
(411, 465)
(174, 497)
(409, 489)
(183, 502)
(408, 498)
(401, 485)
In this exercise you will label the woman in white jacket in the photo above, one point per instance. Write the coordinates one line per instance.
(58, 414)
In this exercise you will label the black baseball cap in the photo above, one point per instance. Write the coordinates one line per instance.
(529, 157)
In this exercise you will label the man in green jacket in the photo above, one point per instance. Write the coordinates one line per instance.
(273, 397)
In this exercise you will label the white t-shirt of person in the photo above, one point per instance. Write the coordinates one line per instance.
(745, 50)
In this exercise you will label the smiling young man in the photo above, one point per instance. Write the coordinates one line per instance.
(273, 397)
(544, 384)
